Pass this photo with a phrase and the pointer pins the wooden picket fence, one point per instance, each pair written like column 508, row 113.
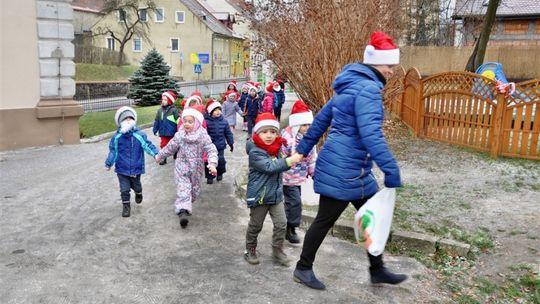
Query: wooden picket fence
column 465, row 109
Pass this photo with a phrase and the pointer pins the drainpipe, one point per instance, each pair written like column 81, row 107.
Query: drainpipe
column 212, row 57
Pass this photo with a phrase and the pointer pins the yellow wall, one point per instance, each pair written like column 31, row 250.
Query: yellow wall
column 19, row 72
column 194, row 37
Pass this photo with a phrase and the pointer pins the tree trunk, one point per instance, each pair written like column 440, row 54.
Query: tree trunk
column 121, row 55
column 477, row 57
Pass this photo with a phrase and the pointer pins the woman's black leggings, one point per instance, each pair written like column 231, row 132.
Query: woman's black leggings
column 329, row 212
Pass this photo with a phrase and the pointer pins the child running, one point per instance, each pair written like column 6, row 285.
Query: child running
column 264, row 190
column 166, row 120
column 230, row 108
column 189, row 143
column 299, row 122
column 221, row 136
column 126, row 152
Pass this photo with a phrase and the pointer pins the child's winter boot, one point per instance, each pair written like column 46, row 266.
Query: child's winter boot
column 291, row 235
column 209, row 181
column 219, row 177
column 138, row 198
column 183, row 214
column 279, row 255
column 251, row 254
column 126, row 209
column 163, row 161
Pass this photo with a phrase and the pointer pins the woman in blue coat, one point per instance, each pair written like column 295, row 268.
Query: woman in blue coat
column 343, row 170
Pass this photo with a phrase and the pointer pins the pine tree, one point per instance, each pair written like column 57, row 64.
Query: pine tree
column 150, row 80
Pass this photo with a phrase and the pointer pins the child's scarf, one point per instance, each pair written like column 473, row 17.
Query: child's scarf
column 273, row 148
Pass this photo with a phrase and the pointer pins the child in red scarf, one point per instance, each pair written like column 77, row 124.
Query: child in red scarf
column 265, row 187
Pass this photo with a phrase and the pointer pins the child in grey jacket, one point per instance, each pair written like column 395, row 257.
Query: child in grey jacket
column 264, row 190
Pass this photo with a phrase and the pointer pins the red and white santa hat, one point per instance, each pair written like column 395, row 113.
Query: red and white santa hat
column 171, row 97
column 251, row 86
column 232, row 82
column 381, row 50
column 265, row 120
column 193, row 112
column 211, row 105
column 300, row 114
column 195, row 96
column 230, row 92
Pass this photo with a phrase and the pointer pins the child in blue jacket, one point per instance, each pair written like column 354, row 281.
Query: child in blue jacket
column 264, row 192
column 126, row 152
column 221, row 135
column 166, row 120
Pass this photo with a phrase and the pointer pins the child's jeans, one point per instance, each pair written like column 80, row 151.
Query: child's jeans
column 256, row 221
column 293, row 205
column 127, row 183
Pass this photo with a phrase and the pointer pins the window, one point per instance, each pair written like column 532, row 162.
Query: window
column 175, row 43
column 180, row 16
column 137, row 44
column 111, row 43
column 143, row 15
column 160, row 14
column 121, row 15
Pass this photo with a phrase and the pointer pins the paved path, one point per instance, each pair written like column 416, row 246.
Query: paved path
column 63, row 241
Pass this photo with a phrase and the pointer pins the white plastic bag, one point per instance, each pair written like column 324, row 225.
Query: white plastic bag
column 373, row 220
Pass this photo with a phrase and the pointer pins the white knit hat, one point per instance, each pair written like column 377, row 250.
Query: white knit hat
column 193, row 112
column 124, row 112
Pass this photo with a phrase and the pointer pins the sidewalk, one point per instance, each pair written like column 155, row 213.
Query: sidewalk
column 63, row 241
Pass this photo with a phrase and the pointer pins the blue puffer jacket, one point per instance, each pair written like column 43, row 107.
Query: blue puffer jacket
column 265, row 184
column 242, row 101
column 279, row 98
column 355, row 115
column 219, row 131
column 253, row 106
column 126, row 151
column 166, row 121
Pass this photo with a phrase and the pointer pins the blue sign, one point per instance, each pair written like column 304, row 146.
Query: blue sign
column 197, row 68
column 204, row 58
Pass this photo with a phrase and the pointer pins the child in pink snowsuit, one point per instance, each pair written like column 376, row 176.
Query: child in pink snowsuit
column 189, row 143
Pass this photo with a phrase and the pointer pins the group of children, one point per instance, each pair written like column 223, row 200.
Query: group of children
column 197, row 139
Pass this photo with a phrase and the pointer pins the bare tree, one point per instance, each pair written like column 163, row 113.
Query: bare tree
column 479, row 51
column 130, row 23
column 311, row 40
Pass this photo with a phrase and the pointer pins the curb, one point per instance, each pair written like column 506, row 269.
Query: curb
column 413, row 241
column 100, row 137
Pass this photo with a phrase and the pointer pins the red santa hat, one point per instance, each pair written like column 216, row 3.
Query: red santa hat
column 252, row 86
column 193, row 112
column 265, row 120
column 381, row 50
column 300, row 114
column 230, row 92
column 211, row 105
column 171, row 97
column 232, row 82
column 195, row 96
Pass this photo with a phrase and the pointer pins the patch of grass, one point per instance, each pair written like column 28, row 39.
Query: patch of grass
column 479, row 238
column 101, row 72
column 486, row 286
column 95, row 123
column 516, row 232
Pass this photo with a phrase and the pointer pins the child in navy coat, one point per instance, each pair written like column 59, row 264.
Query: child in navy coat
column 221, row 135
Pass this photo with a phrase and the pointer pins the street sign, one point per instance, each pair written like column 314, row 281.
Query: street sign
column 197, row 68
column 204, row 58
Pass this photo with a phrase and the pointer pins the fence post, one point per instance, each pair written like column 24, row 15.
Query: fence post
column 496, row 126
column 419, row 107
